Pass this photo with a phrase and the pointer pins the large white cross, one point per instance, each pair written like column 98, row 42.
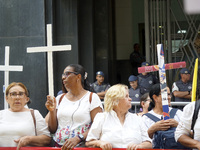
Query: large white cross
column 6, row 68
column 49, row 49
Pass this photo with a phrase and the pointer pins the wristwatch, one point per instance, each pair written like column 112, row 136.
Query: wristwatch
column 81, row 137
column 188, row 92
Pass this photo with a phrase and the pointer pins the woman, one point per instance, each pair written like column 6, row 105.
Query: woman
column 17, row 127
column 144, row 103
column 70, row 118
column 183, row 132
column 156, row 109
column 116, row 127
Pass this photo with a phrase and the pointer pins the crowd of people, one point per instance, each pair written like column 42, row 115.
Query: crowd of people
column 77, row 118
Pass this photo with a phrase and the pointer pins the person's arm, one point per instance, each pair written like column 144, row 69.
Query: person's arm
column 41, row 140
column 182, row 94
column 101, row 94
column 95, row 142
column 98, row 143
column 51, row 117
column 189, row 142
column 160, row 125
column 143, row 145
column 183, row 130
column 173, row 122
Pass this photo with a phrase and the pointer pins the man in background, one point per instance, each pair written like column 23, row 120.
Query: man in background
column 136, row 58
column 99, row 86
column 146, row 80
column 182, row 89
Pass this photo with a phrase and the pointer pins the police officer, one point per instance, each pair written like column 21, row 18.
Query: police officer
column 182, row 89
column 99, row 86
column 146, row 80
column 134, row 91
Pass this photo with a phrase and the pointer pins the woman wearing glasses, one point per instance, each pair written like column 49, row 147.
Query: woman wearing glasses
column 144, row 103
column 18, row 128
column 70, row 114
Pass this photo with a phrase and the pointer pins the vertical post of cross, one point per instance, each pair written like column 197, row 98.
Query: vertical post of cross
column 163, row 83
column 50, row 61
column 6, row 68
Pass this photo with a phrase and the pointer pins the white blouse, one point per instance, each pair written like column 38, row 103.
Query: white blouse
column 107, row 127
column 184, row 126
column 14, row 125
column 74, row 117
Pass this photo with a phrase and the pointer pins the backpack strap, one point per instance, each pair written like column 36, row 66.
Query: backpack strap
column 34, row 121
column 173, row 112
column 155, row 119
column 152, row 117
column 196, row 112
column 61, row 98
column 90, row 99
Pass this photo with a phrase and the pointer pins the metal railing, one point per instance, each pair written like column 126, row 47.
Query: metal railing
column 172, row 104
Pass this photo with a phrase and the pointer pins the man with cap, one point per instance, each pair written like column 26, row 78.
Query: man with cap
column 134, row 91
column 182, row 89
column 146, row 80
column 99, row 86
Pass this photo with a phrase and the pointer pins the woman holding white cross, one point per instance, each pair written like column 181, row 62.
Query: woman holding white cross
column 71, row 114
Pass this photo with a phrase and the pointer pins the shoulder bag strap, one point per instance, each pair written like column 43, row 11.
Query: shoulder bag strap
column 90, row 99
column 33, row 115
column 152, row 117
column 61, row 98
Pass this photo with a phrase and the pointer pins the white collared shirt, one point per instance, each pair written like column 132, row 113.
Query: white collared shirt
column 14, row 125
column 184, row 126
column 107, row 127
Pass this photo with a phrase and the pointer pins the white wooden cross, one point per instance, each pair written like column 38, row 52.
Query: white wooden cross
column 49, row 49
column 6, row 68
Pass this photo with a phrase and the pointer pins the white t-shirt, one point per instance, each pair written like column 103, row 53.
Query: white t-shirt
column 184, row 126
column 74, row 117
column 107, row 127
column 14, row 125
column 148, row 122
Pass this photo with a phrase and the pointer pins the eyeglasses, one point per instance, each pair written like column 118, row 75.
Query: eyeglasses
column 14, row 94
column 67, row 73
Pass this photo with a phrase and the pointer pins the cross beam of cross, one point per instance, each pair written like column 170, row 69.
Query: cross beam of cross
column 161, row 67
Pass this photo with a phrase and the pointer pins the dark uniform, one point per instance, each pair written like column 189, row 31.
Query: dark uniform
column 135, row 96
column 180, row 86
column 146, row 81
column 100, row 88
